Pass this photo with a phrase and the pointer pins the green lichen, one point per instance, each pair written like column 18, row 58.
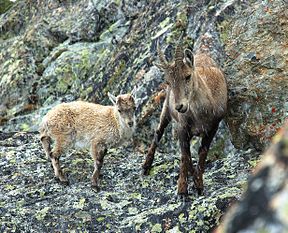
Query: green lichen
column 156, row 169
column 85, row 60
column 181, row 19
column 217, row 150
column 84, row 216
column 156, row 228
column 25, row 127
column 80, row 204
column 165, row 23
column 224, row 29
column 100, row 219
column 182, row 218
column 5, row 5
column 164, row 28
column 253, row 163
column 40, row 215
column 115, row 77
column 263, row 230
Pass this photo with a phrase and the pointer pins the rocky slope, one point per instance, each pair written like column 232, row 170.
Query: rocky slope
column 57, row 51
column 32, row 200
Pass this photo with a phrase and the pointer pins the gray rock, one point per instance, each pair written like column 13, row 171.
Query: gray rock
column 263, row 206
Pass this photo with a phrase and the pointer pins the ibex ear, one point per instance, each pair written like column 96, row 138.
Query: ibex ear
column 160, row 66
column 189, row 57
column 112, row 98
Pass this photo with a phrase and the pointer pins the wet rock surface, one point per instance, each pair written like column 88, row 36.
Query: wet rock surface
column 32, row 199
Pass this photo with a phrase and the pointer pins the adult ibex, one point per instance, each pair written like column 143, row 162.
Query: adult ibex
column 196, row 98
column 89, row 125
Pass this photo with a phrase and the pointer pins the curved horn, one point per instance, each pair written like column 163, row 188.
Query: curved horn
column 161, row 56
column 179, row 55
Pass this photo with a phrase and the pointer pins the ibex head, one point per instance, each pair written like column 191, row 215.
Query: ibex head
column 125, row 106
column 178, row 75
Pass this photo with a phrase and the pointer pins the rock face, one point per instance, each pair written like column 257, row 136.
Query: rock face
column 65, row 50
column 57, row 51
column 263, row 207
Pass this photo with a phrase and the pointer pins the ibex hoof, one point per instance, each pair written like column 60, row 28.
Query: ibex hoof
column 96, row 188
column 183, row 197
column 183, row 193
column 63, row 182
column 145, row 171
column 199, row 191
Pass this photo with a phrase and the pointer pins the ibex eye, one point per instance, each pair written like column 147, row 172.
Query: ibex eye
column 119, row 111
column 188, row 77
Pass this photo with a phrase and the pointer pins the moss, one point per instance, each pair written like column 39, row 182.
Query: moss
column 85, row 92
column 132, row 210
column 263, row 230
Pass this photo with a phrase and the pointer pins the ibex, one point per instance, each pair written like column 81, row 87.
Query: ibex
column 196, row 98
column 86, row 124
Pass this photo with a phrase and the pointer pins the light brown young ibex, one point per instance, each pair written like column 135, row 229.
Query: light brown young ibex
column 196, row 99
column 86, row 124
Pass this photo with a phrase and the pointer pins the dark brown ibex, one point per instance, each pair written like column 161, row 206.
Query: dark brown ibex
column 196, row 99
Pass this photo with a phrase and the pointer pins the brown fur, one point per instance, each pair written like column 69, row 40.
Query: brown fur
column 84, row 124
column 197, row 100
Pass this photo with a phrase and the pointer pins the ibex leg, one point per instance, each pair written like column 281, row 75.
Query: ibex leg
column 98, row 156
column 60, row 144
column 185, row 162
column 165, row 118
column 202, row 153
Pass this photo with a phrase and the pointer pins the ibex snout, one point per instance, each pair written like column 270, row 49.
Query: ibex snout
column 182, row 108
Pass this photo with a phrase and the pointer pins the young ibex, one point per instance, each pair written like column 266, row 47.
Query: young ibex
column 86, row 124
column 196, row 99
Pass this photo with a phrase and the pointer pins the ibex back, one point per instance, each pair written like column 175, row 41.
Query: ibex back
column 196, row 99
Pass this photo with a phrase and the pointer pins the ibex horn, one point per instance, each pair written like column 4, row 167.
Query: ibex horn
column 161, row 56
column 178, row 51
